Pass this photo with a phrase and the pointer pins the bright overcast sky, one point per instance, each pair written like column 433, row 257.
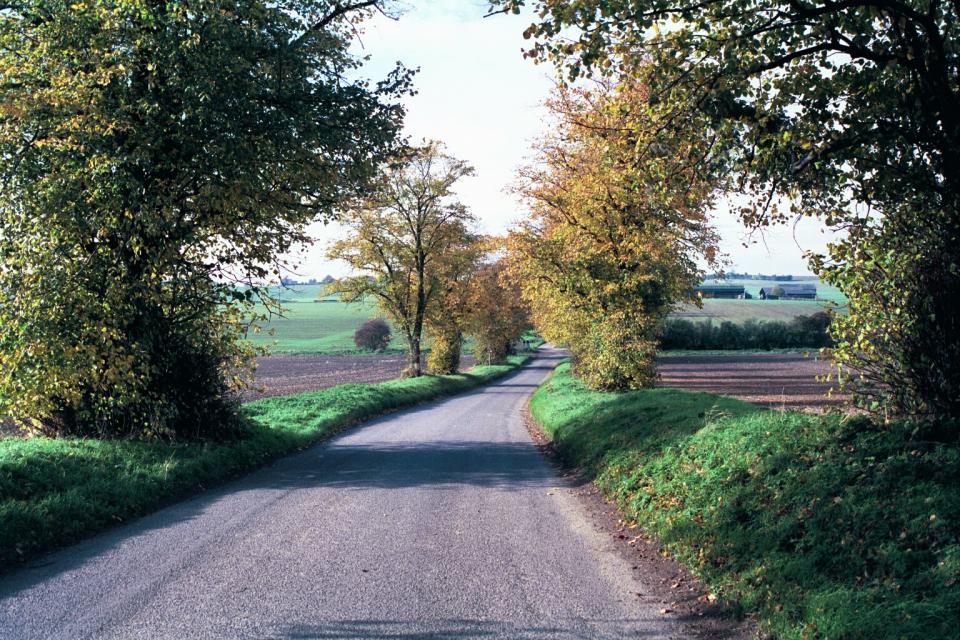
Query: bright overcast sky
column 479, row 96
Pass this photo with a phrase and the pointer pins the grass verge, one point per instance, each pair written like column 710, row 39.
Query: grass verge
column 56, row 491
column 818, row 526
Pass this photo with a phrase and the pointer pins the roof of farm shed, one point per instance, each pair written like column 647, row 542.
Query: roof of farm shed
column 792, row 289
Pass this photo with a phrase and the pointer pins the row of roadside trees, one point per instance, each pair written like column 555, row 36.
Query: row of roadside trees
column 414, row 249
column 848, row 112
column 158, row 159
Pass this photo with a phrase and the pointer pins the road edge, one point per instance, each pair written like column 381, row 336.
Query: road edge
column 19, row 549
column 683, row 596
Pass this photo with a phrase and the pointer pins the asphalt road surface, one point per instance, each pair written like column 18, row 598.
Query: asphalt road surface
column 441, row 521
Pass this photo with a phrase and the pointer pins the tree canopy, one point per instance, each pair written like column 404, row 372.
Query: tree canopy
column 619, row 223
column 848, row 111
column 497, row 314
column 155, row 155
column 410, row 241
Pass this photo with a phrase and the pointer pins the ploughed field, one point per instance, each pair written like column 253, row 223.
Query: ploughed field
column 780, row 380
column 287, row 375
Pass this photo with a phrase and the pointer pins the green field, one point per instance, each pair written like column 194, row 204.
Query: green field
column 318, row 328
column 311, row 327
column 719, row 310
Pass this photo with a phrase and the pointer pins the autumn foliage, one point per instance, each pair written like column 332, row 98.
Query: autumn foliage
column 498, row 314
column 848, row 112
column 618, row 224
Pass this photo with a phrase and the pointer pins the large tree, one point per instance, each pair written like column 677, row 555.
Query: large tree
column 848, row 110
column 618, row 227
column 409, row 241
column 155, row 154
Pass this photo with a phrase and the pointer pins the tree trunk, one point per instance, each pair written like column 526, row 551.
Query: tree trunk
column 414, row 368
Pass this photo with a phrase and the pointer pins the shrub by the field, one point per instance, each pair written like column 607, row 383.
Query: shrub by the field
column 373, row 335
column 821, row 525
column 445, row 351
column 802, row 332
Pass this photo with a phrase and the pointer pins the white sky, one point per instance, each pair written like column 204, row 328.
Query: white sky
column 478, row 95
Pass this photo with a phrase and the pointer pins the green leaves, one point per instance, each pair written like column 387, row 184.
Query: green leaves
column 162, row 157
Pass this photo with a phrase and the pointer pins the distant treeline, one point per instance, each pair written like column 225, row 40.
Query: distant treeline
column 802, row 332
column 733, row 275
column 292, row 282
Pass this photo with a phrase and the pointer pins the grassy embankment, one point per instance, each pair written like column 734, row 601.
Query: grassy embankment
column 56, row 491
column 820, row 526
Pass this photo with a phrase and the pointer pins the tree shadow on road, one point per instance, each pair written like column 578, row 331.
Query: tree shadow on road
column 435, row 466
column 468, row 628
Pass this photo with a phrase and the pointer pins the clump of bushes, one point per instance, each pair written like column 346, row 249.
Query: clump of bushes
column 444, row 358
column 373, row 335
column 802, row 332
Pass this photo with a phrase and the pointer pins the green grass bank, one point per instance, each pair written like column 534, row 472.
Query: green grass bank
column 817, row 526
column 57, row 491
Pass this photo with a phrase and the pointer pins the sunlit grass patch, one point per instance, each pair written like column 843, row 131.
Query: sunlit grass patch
column 821, row 526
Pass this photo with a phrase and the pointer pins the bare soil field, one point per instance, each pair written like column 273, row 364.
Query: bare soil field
column 781, row 381
column 287, row 375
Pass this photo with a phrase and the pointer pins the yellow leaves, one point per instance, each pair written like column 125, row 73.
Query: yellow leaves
column 617, row 227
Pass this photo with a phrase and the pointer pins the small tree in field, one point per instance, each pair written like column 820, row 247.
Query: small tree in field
column 154, row 156
column 404, row 240
column 373, row 335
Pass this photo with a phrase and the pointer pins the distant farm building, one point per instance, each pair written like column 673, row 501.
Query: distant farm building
column 789, row 291
column 720, row 291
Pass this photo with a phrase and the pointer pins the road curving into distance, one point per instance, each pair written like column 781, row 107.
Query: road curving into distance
column 440, row 521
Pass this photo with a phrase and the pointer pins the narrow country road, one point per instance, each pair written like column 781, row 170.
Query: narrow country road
column 441, row 521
